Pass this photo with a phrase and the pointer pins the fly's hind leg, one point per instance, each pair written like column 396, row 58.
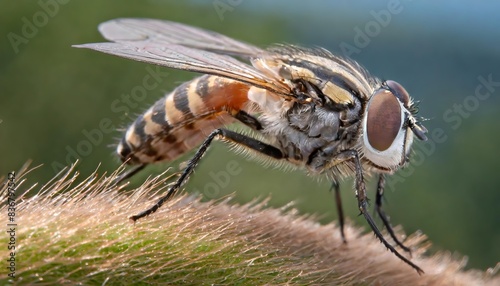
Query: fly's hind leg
column 224, row 134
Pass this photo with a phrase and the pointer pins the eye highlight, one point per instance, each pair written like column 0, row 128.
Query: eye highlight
column 383, row 119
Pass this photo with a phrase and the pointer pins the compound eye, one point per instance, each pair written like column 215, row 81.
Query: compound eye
column 399, row 91
column 383, row 121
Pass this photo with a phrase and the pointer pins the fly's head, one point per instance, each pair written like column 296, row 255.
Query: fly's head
column 389, row 124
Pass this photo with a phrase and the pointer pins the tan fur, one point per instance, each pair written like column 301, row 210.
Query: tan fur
column 174, row 241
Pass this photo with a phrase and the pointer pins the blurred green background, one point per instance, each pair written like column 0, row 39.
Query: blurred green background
column 52, row 96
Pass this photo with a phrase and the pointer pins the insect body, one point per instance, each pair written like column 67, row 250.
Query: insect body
column 307, row 108
column 179, row 122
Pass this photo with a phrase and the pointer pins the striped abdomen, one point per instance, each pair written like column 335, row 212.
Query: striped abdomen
column 181, row 120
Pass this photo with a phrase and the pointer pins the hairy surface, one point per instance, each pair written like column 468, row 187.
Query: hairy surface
column 79, row 233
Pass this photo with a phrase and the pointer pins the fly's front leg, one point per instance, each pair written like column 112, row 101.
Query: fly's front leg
column 363, row 205
column 382, row 215
column 324, row 160
column 224, row 134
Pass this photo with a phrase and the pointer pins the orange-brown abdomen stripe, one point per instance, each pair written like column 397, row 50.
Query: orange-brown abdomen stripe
column 179, row 121
column 197, row 98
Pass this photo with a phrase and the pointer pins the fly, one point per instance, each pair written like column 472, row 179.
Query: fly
column 306, row 107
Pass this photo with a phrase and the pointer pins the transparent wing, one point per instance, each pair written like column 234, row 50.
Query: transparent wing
column 142, row 40
column 166, row 33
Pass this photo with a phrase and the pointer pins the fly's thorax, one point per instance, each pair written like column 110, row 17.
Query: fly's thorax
column 330, row 93
column 301, row 130
column 387, row 121
column 338, row 79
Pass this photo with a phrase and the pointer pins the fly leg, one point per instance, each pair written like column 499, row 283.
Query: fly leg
column 128, row 174
column 223, row 134
column 324, row 159
column 382, row 215
column 340, row 211
column 363, row 205
column 241, row 115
